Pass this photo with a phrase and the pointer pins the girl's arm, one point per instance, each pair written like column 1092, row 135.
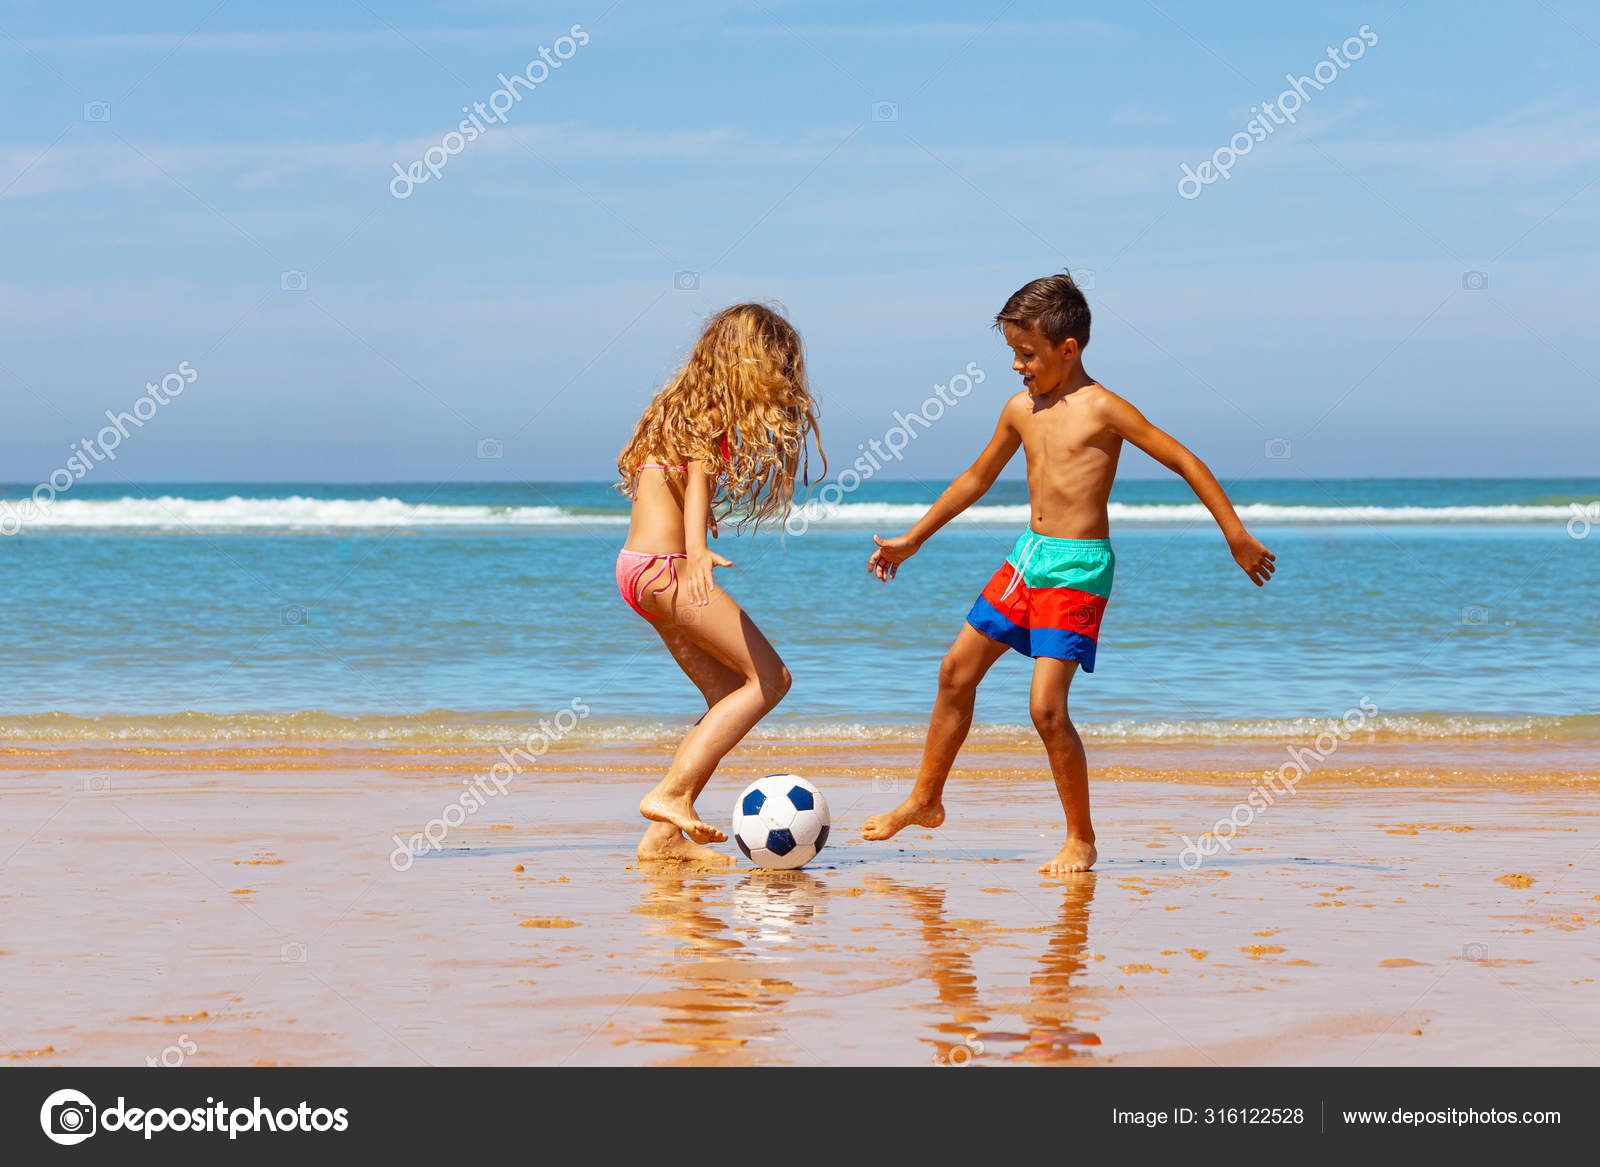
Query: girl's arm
column 971, row 485
column 697, row 582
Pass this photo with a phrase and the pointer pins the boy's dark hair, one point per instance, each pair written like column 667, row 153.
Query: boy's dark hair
column 1052, row 305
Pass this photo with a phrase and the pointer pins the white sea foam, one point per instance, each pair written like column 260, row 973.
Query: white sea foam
column 297, row 513
column 489, row 729
column 900, row 514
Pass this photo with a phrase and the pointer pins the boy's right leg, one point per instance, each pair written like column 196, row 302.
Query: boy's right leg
column 962, row 668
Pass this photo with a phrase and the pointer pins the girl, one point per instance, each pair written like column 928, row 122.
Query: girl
column 730, row 430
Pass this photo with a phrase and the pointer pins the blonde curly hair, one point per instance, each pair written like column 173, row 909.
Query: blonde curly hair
column 745, row 381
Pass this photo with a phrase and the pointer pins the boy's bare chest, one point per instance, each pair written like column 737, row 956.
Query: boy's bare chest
column 1059, row 433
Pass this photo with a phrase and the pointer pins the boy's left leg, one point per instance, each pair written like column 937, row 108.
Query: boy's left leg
column 1048, row 704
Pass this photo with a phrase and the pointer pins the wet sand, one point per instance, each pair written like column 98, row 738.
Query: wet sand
column 227, row 907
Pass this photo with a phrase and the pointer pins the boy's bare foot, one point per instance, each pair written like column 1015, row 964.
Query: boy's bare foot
column 679, row 812
column 1076, row 855
column 884, row 826
column 666, row 845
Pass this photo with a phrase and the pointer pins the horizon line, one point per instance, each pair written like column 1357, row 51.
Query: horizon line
column 26, row 488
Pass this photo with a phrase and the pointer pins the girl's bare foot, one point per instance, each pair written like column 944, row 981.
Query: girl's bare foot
column 677, row 811
column 664, row 843
column 1076, row 855
column 884, row 826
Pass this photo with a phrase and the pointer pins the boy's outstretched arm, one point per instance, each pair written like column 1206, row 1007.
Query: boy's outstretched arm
column 971, row 485
column 1248, row 553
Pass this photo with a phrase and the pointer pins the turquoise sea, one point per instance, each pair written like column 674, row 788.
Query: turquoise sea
column 458, row 611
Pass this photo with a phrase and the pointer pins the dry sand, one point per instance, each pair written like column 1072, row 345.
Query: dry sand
column 240, row 907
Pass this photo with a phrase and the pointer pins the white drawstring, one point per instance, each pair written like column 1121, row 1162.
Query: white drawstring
column 1027, row 557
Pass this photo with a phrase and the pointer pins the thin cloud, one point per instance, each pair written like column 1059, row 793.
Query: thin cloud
column 1526, row 146
column 930, row 30
column 275, row 41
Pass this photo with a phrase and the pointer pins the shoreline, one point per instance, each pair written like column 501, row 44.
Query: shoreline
column 1502, row 764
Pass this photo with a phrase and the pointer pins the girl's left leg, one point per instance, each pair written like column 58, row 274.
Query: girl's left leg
column 721, row 629
column 715, row 681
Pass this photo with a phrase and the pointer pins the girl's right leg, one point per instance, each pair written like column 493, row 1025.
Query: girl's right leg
column 723, row 632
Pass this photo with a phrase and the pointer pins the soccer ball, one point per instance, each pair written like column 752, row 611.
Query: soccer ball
column 780, row 821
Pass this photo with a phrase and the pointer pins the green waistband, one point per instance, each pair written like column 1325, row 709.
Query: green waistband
column 1068, row 544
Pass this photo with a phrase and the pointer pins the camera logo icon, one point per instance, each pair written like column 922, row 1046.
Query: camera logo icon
column 1475, row 952
column 1474, row 614
column 292, row 616
column 97, row 784
column 292, row 281
column 293, row 952
column 490, row 448
column 1583, row 520
column 68, row 1117
column 884, row 785
column 1474, row 281
column 1278, row 448
column 963, row 1054
column 1084, row 278
column 885, row 111
column 686, row 281
column 97, row 111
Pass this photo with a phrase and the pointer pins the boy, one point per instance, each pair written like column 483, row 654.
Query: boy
column 1047, row 599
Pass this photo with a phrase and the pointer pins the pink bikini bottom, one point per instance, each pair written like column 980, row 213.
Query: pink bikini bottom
column 633, row 566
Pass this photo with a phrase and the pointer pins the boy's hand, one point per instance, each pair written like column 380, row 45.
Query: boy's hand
column 1257, row 561
column 697, row 582
column 891, row 553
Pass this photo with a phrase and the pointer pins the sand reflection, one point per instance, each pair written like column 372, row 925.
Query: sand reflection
column 717, row 989
column 1053, row 1035
column 966, row 1031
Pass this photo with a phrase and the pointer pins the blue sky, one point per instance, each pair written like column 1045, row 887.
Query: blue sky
column 528, row 292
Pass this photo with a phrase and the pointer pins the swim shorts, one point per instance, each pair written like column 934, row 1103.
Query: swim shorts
column 1048, row 597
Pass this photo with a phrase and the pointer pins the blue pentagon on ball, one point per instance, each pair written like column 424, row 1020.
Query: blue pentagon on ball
column 780, row 842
